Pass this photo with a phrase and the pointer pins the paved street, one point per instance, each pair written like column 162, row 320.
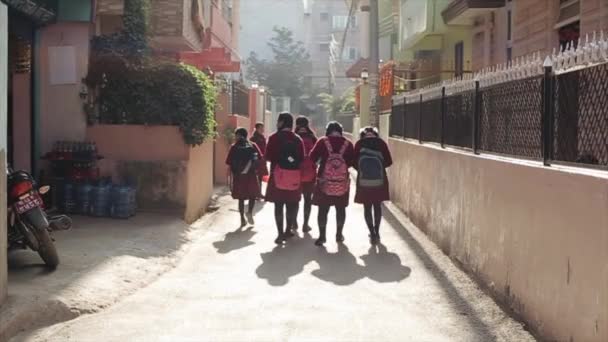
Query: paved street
column 236, row 285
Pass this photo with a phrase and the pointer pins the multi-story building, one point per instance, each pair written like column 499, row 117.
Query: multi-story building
column 333, row 39
column 430, row 48
column 507, row 29
column 388, row 13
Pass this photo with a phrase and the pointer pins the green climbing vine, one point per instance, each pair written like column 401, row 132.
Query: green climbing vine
column 133, row 88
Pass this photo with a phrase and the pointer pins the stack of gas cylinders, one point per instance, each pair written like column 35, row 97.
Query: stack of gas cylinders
column 79, row 188
column 101, row 199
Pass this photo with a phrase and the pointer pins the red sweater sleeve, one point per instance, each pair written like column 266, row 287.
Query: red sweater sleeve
column 301, row 150
column 386, row 153
column 357, row 152
column 271, row 153
column 349, row 155
column 258, row 150
column 318, row 150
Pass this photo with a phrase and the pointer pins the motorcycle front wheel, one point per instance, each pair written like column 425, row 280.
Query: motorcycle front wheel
column 36, row 219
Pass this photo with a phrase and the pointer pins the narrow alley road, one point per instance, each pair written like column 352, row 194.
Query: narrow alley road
column 236, row 285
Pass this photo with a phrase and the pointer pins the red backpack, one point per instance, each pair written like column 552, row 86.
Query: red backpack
column 335, row 179
column 308, row 166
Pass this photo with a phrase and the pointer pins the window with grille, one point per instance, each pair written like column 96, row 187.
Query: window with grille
column 569, row 13
column 459, row 59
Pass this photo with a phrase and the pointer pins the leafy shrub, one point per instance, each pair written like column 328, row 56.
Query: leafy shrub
column 133, row 89
column 160, row 94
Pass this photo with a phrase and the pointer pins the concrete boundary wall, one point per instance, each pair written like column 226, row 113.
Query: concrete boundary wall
column 536, row 236
column 171, row 176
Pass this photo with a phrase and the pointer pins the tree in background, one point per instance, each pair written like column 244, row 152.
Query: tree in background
column 285, row 73
column 335, row 105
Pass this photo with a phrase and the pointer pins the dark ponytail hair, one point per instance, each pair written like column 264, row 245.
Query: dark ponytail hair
column 302, row 122
column 286, row 120
column 241, row 134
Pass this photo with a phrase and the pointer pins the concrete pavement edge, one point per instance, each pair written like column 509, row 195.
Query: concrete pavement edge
column 16, row 318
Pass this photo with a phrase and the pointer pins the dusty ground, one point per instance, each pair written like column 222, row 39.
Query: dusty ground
column 102, row 261
column 235, row 285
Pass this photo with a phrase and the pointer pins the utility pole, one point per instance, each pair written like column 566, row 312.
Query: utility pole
column 374, row 60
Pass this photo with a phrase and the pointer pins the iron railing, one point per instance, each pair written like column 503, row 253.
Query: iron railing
column 510, row 120
column 458, row 124
column 581, row 116
column 555, row 110
column 240, row 99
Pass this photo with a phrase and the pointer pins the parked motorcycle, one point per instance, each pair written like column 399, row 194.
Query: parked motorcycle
column 29, row 226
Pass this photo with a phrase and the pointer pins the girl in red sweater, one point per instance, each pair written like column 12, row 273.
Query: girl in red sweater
column 259, row 139
column 242, row 161
column 309, row 168
column 285, row 152
column 336, row 155
column 372, row 157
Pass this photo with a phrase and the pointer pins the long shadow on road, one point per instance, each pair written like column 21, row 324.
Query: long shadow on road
column 340, row 268
column 384, row 266
column 286, row 261
column 235, row 240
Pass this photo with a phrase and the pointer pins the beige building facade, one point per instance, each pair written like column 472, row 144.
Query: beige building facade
column 516, row 28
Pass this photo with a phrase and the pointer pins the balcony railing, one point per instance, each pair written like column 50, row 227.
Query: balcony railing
column 240, row 99
column 40, row 11
column 221, row 29
column 175, row 25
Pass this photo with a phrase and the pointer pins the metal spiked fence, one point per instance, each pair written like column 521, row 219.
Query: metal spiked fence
column 553, row 109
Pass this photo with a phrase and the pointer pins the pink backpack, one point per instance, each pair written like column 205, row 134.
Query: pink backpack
column 287, row 173
column 289, row 180
column 335, row 180
column 308, row 166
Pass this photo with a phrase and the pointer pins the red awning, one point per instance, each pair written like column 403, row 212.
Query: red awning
column 217, row 59
column 355, row 70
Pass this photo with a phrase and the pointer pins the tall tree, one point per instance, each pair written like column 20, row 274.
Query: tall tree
column 285, row 73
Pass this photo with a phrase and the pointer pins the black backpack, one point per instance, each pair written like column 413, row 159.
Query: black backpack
column 243, row 159
column 289, row 158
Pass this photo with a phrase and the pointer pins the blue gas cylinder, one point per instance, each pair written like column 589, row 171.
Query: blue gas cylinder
column 68, row 202
column 123, row 201
column 101, row 200
column 83, row 198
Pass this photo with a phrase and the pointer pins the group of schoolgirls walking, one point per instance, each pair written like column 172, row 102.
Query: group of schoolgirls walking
column 315, row 169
